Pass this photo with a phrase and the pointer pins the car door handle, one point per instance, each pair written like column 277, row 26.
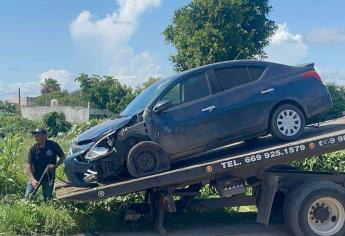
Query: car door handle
column 208, row 109
column 267, row 91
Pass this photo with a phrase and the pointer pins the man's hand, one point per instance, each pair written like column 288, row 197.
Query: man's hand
column 34, row 182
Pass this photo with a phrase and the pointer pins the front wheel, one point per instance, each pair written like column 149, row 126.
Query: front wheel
column 287, row 122
column 147, row 158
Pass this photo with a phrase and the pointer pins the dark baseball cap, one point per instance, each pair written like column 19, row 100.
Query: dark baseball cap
column 39, row 131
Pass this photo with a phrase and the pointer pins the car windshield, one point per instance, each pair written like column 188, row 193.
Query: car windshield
column 144, row 98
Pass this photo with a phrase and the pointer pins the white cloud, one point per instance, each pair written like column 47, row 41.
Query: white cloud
column 133, row 69
column 107, row 40
column 286, row 47
column 63, row 77
column 26, row 88
column 325, row 35
column 113, row 31
column 33, row 88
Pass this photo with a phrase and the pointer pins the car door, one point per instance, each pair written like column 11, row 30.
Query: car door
column 190, row 123
column 245, row 99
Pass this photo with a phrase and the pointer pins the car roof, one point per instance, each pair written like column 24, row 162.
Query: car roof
column 242, row 62
column 228, row 63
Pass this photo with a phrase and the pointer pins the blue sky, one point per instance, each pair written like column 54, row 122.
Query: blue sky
column 60, row 39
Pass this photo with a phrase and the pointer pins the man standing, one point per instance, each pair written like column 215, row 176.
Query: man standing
column 42, row 154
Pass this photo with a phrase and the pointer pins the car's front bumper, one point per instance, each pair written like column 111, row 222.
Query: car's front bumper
column 75, row 170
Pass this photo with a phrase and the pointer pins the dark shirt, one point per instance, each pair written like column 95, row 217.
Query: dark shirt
column 41, row 157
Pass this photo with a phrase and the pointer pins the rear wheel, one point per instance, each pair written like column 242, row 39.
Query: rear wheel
column 287, row 122
column 146, row 158
column 316, row 208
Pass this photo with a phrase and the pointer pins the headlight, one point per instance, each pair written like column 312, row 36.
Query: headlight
column 98, row 152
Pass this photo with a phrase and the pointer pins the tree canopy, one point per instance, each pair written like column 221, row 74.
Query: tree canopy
column 209, row 31
column 104, row 92
column 50, row 85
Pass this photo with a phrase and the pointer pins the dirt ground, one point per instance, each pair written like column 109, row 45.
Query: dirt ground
column 214, row 230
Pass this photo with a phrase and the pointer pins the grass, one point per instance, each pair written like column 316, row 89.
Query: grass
column 35, row 219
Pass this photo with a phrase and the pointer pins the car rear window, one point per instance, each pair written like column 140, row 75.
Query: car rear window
column 256, row 71
column 232, row 77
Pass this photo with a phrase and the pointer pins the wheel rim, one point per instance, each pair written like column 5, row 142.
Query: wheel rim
column 289, row 122
column 145, row 161
column 326, row 216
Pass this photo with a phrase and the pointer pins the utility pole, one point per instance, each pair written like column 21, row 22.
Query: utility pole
column 19, row 102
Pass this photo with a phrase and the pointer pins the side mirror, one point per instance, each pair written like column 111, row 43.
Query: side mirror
column 162, row 106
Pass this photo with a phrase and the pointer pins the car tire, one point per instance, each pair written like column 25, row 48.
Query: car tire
column 287, row 122
column 316, row 208
column 146, row 158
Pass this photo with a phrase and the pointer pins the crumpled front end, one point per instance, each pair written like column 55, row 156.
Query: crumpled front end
column 83, row 173
column 99, row 154
column 94, row 156
column 94, row 162
column 75, row 170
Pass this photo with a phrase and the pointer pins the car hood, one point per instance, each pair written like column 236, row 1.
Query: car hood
column 100, row 130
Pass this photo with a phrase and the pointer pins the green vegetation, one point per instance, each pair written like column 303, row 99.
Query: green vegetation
column 64, row 98
column 104, row 92
column 207, row 31
column 338, row 96
column 328, row 162
column 56, row 123
column 8, row 108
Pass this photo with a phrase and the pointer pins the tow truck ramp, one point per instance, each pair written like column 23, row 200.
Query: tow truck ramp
column 234, row 168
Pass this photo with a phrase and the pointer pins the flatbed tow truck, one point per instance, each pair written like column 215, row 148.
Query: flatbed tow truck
column 312, row 203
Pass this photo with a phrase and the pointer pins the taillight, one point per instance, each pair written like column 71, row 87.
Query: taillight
column 311, row 74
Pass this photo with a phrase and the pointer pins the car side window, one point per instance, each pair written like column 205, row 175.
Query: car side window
column 195, row 87
column 232, row 77
column 256, row 71
column 189, row 89
column 174, row 95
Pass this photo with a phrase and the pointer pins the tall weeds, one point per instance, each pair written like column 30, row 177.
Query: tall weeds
column 9, row 164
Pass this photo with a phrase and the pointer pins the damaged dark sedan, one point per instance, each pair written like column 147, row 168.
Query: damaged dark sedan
column 196, row 111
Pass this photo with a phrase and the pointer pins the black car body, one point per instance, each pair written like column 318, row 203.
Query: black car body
column 196, row 111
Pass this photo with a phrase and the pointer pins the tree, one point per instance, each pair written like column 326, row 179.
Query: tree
column 208, row 31
column 64, row 97
column 104, row 92
column 50, row 85
column 338, row 97
column 151, row 80
column 56, row 122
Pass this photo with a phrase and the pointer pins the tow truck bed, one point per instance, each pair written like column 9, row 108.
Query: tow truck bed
column 236, row 160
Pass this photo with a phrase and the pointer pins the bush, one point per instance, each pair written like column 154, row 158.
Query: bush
column 8, row 108
column 338, row 97
column 334, row 161
column 56, row 122
column 14, row 124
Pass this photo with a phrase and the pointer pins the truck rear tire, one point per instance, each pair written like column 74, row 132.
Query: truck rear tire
column 146, row 158
column 316, row 208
